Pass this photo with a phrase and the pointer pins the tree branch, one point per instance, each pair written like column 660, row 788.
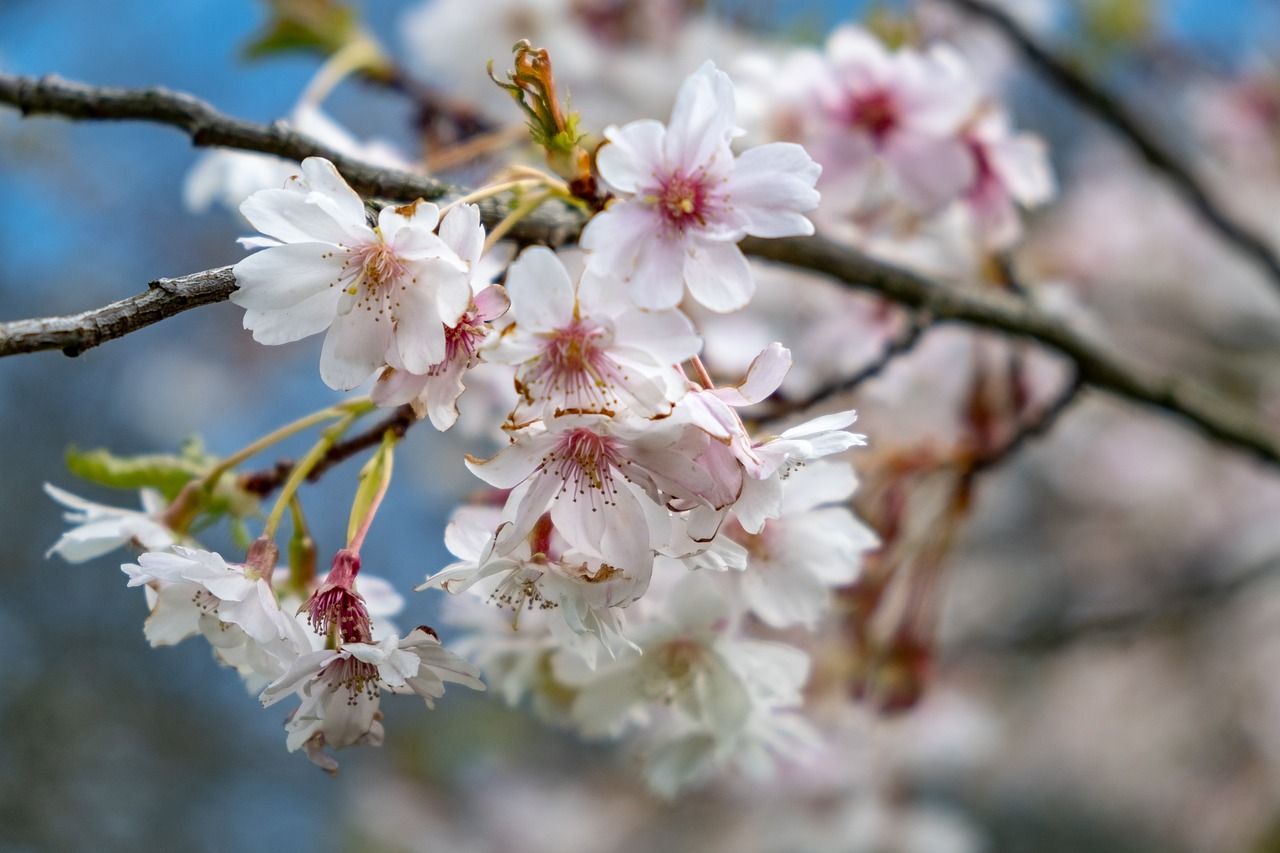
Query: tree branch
column 75, row 333
column 1221, row 419
column 263, row 483
column 1111, row 112
column 1033, row 428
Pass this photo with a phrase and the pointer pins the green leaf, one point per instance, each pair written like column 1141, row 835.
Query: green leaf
column 163, row 472
column 319, row 25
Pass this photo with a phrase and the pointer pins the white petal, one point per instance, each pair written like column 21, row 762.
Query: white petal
column 541, row 294
column 773, row 186
column 353, row 349
column 719, row 277
column 632, row 157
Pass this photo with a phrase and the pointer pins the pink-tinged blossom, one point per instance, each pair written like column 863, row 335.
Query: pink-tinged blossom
column 1011, row 169
column 389, row 288
column 685, row 201
column 600, row 479
column 341, row 689
column 579, row 594
column 581, row 348
column 435, row 392
column 100, row 529
column 895, row 116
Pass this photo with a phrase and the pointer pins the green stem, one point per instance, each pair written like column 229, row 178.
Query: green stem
column 303, row 468
column 359, row 405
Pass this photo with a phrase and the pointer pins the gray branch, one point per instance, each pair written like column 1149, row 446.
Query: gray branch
column 1219, row 418
column 75, row 333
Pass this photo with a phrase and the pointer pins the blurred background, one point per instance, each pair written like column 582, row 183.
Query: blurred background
column 1106, row 670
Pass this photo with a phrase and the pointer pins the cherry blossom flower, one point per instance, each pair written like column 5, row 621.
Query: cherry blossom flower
column 101, row 529
column 392, row 287
column 692, row 660
column 231, row 604
column 810, row 548
column 600, row 478
column 579, row 594
column 686, row 200
column 1011, row 169
column 341, row 688
column 435, row 393
column 582, row 349
column 901, row 111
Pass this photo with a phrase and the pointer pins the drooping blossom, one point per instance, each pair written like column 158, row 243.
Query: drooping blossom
column 581, row 348
column 100, row 529
column 579, row 594
column 231, row 604
column 686, row 200
column 387, row 288
column 341, row 689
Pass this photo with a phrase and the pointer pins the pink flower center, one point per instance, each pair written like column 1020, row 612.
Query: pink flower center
column 573, row 365
column 683, row 199
column 375, row 273
column 585, row 463
column 875, row 112
column 461, row 342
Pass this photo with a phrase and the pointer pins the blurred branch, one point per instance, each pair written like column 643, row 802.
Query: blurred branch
column 1034, row 428
column 263, row 483
column 1171, row 610
column 75, row 333
column 1111, row 112
column 1219, row 418
column 900, row 345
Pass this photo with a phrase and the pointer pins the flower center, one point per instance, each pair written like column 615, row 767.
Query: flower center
column 584, row 462
column 683, row 199
column 875, row 112
column 355, row 675
column 575, row 366
column 461, row 342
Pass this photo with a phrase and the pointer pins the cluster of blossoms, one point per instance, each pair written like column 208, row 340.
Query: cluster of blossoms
column 902, row 136
column 643, row 560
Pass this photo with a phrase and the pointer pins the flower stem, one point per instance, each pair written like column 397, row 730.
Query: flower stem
column 524, row 209
column 303, row 468
column 703, row 376
column 359, row 406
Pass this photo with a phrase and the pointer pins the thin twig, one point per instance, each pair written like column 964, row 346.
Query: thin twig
column 1111, row 112
column 1032, row 428
column 1219, row 418
column 899, row 345
column 263, row 483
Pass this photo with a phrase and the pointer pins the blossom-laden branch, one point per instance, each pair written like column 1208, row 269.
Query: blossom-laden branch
column 1220, row 419
column 1115, row 115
